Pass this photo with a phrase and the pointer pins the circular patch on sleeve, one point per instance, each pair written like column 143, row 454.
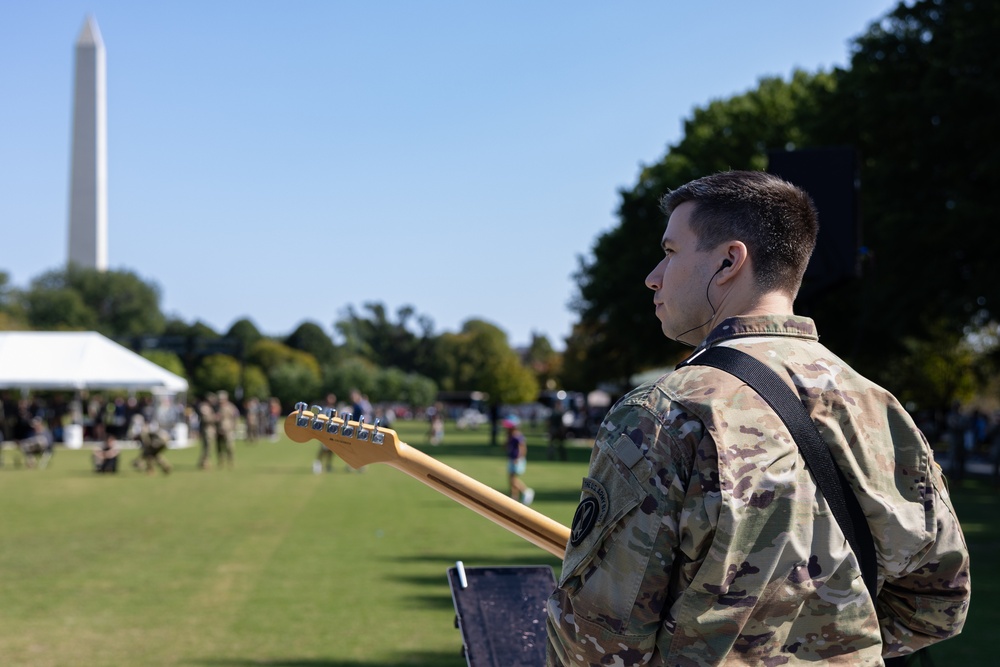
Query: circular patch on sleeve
column 590, row 512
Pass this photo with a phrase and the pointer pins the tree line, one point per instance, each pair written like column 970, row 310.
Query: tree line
column 917, row 101
column 391, row 359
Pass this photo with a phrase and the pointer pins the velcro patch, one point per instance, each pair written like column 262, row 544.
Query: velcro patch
column 627, row 451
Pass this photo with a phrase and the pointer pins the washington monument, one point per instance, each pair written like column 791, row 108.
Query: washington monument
column 88, row 189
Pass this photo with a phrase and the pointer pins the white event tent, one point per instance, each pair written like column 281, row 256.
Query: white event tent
column 41, row 360
column 82, row 360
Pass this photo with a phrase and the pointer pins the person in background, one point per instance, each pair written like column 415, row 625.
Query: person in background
column 517, row 461
column 557, row 432
column 229, row 418
column 153, row 442
column 435, row 424
column 37, row 448
column 208, row 420
column 252, row 407
column 106, row 457
column 324, row 456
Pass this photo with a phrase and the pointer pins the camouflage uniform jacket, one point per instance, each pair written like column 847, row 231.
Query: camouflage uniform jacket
column 228, row 416
column 701, row 539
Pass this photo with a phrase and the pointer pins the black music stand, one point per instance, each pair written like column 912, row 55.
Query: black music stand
column 501, row 613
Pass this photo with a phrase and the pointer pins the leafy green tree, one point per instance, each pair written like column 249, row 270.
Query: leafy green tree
column 543, row 360
column 189, row 341
column 5, row 291
column 11, row 312
column 352, row 373
column 387, row 343
column 936, row 372
column 58, row 309
column 11, row 322
column 166, row 360
column 246, row 332
column 118, row 304
column 418, row 391
column 919, row 100
column 479, row 358
column 617, row 333
column 389, row 385
column 292, row 382
column 255, row 383
column 217, row 372
column 310, row 337
column 178, row 327
column 269, row 354
column 579, row 372
column 292, row 375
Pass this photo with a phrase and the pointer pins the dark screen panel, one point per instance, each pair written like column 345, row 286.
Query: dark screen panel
column 830, row 176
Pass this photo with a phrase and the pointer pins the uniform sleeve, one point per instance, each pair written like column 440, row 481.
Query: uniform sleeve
column 612, row 591
column 931, row 601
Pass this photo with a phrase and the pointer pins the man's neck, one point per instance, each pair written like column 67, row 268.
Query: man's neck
column 774, row 303
column 771, row 303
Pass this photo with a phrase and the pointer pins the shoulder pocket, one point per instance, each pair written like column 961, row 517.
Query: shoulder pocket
column 609, row 493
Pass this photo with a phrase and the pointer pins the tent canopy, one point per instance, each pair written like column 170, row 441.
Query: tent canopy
column 78, row 360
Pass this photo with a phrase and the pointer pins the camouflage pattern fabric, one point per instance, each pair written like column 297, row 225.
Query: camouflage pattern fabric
column 701, row 539
column 228, row 416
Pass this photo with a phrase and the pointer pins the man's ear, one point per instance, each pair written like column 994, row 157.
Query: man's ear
column 733, row 261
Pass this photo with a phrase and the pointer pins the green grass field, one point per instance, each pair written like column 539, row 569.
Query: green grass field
column 270, row 564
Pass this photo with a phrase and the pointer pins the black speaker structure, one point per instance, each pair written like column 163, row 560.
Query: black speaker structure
column 832, row 179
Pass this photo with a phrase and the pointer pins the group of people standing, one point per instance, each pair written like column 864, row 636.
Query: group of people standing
column 218, row 419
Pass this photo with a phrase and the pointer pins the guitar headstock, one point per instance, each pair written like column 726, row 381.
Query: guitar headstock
column 358, row 443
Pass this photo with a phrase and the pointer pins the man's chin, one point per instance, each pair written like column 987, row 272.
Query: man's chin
column 679, row 336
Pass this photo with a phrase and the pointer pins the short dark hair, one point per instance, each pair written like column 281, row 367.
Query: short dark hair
column 775, row 219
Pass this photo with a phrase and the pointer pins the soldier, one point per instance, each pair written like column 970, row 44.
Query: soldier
column 557, row 431
column 252, row 410
column 700, row 538
column 208, row 420
column 153, row 442
column 106, row 457
column 36, row 449
column 229, row 417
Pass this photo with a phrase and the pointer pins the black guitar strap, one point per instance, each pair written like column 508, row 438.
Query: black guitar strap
column 828, row 476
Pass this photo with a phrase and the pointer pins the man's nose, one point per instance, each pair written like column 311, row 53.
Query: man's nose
column 653, row 279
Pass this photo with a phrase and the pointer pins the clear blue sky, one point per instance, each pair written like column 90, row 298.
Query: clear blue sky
column 282, row 160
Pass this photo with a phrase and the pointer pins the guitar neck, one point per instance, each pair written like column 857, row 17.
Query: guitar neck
column 360, row 444
column 519, row 519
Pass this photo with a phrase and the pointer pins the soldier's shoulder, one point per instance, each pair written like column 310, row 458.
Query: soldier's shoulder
column 656, row 412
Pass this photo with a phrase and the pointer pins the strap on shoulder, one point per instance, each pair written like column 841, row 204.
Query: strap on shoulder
column 828, row 476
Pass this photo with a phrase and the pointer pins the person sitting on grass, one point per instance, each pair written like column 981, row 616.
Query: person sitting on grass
column 106, row 458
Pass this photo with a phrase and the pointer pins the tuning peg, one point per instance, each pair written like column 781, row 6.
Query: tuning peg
column 332, row 426
column 301, row 420
column 317, row 423
column 348, row 429
column 362, row 433
column 377, row 437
